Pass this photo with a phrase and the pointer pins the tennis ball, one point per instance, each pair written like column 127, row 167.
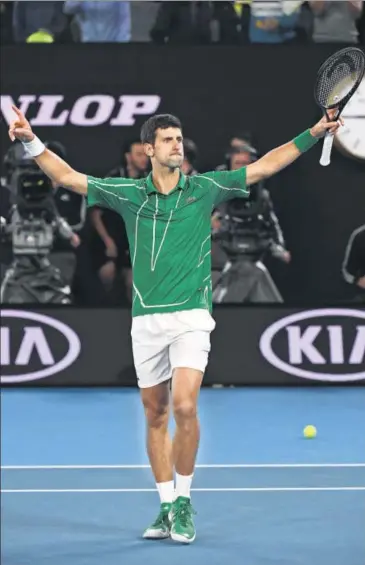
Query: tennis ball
column 310, row 432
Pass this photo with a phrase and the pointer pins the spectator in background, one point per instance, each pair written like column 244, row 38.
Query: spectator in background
column 101, row 21
column 336, row 21
column 70, row 205
column 238, row 140
column 361, row 27
column 134, row 161
column 109, row 243
column 183, row 22
column 6, row 28
column 190, row 157
column 254, row 225
column 143, row 15
column 242, row 138
column 353, row 267
column 38, row 22
column 274, row 21
column 232, row 20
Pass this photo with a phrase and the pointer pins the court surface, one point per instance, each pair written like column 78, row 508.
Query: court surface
column 77, row 490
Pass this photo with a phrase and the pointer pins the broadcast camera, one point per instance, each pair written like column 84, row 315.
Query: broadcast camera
column 247, row 230
column 31, row 226
column 248, row 227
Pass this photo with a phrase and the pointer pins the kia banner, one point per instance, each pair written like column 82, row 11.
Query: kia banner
column 251, row 345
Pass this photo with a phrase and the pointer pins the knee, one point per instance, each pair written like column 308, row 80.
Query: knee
column 156, row 414
column 184, row 410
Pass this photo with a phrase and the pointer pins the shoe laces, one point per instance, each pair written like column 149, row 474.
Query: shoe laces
column 161, row 518
column 183, row 513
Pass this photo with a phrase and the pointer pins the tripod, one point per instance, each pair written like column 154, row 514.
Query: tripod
column 244, row 279
column 33, row 279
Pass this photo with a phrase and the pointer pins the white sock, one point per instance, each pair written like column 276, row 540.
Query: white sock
column 166, row 491
column 183, row 484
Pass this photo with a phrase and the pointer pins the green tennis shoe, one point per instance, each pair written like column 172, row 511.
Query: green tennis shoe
column 160, row 529
column 182, row 527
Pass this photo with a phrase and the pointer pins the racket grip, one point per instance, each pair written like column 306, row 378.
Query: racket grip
column 326, row 150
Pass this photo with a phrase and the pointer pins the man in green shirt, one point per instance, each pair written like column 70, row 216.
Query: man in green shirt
column 167, row 219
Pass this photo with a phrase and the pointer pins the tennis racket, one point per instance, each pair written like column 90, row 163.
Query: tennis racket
column 337, row 80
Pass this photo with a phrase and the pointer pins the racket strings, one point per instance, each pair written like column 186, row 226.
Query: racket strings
column 338, row 79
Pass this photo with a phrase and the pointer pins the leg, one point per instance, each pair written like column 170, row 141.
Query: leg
column 185, row 392
column 159, row 448
column 188, row 356
column 156, row 406
column 153, row 370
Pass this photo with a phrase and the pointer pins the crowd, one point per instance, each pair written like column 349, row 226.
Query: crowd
column 204, row 22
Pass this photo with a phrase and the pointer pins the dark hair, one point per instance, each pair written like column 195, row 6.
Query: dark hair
column 190, row 151
column 128, row 144
column 159, row 121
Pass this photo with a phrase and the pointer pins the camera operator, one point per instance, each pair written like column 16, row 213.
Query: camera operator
column 245, row 232
column 353, row 267
column 109, row 239
column 72, row 207
column 33, row 224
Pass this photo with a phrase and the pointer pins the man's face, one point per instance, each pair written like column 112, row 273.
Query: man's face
column 168, row 148
column 239, row 160
column 137, row 158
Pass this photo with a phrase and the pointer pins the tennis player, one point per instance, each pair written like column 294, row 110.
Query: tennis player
column 167, row 217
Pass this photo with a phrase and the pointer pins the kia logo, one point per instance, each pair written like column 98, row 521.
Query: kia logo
column 325, row 344
column 36, row 343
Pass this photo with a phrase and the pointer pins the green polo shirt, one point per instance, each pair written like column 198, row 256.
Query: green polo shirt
column 169, row 235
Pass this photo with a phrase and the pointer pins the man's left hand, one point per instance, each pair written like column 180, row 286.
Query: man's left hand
column 321, row 128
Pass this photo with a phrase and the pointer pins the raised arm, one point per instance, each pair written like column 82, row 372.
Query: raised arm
column 282, row 156
column 52, row 165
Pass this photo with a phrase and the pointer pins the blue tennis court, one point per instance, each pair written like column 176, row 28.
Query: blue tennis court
column 77, row 489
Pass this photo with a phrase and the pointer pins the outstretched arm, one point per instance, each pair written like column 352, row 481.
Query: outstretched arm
column 282, row 156
column 52, row 165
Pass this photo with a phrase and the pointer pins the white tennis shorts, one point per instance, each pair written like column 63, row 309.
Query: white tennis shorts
column 163, row 342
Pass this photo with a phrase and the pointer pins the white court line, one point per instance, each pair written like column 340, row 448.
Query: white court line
column 207, row 466
column 238, row 489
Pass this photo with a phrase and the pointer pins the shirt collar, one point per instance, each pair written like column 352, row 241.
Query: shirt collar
column 152, row 189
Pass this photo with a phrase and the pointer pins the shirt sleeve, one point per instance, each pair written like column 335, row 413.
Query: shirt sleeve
column 107, row 193
column 226, row 185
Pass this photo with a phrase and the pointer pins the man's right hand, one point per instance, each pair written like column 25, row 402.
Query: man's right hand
column 20, row 127
column 53, row 166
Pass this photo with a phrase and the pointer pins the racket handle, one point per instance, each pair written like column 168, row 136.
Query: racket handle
column 326, row 150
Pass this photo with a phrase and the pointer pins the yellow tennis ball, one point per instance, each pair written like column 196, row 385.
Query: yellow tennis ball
column 310, row 432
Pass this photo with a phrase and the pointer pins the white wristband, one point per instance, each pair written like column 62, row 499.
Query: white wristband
column 34, row 147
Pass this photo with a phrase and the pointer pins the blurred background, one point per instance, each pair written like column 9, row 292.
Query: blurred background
column 240, row 76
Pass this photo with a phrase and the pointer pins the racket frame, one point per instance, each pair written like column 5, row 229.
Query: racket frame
column 329, row 137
